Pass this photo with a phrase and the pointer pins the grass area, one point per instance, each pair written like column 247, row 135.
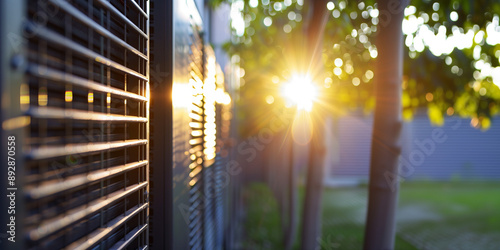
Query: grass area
column 450, row 215
column 262, row 224
column 460, row 202
column 431, row 215
column 344, row 213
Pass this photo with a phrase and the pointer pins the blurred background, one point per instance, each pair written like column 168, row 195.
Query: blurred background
column 250, row 124
column 449, row 163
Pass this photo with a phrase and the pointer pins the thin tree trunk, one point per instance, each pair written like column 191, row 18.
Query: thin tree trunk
column 383, row 188
column 292, row 200
column 311, row 217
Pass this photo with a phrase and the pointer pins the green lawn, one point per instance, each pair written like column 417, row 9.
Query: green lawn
column 431, row 215
column 262, row 224
column 452, row 215
column 344, row 213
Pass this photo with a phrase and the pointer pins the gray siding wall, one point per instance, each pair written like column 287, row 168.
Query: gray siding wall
column 453, row 151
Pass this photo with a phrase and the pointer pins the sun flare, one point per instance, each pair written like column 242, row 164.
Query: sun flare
column 300, row 91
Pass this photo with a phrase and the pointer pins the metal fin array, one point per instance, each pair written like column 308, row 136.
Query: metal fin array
column 87, row 94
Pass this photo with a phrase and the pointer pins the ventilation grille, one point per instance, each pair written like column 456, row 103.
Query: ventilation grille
column 197, row 140
column 87, row 95
column 212, row 172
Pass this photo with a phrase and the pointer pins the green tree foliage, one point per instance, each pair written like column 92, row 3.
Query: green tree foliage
column 455, row 81
column 267, row 53
column 452, row 52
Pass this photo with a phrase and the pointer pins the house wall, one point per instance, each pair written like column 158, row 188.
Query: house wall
column 454, row 151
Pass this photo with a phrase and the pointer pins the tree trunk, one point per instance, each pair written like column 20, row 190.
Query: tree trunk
column 383, row 187
column 292, row 200
column 311, row 217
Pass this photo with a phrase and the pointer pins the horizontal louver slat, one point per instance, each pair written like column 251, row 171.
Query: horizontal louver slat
column 53, row 187
column 73, row 114
column 75, row 149
column 55, row 38
column 79, row 213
